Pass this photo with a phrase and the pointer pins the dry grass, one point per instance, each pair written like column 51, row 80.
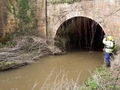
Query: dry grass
column 26, row 50
column 101, row 79
column 58, row 80
column 115, row 68
column 61, row 82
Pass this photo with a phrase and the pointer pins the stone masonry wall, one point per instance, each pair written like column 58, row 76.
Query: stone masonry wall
column 3, row 17
column 105, row 12
column 41, row 16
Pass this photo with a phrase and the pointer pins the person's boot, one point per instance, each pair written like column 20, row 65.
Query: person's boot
column 107, row 65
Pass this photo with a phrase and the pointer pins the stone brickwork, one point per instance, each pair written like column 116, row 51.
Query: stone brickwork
column 41, row 16
column 3, row 17
column 51, row 16
column 104, row 12
column 7, row 21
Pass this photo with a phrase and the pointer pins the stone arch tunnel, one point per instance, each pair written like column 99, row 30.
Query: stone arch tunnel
column 80, row 33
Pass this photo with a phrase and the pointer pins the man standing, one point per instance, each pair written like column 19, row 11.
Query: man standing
column 109, row 47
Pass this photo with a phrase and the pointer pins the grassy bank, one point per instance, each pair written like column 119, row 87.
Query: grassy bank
column 101, row 79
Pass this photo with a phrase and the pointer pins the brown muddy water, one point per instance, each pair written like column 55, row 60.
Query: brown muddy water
column 45, row 71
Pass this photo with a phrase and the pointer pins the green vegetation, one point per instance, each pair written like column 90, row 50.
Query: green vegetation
column 25, row 16
column 24, row 12
column 6, row 65
column 101, row 79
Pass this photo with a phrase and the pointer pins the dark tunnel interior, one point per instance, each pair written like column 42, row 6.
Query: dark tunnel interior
column 80, row 33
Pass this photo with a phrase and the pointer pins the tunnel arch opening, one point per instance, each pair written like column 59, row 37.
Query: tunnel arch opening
column 79, row 33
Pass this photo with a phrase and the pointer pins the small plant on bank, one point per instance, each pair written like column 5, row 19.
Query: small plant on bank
column 6, row 65
column 91, row 83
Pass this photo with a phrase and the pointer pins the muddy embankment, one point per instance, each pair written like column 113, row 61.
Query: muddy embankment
column 25, row 51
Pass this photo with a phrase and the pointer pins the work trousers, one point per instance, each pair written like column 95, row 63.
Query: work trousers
column 107, row 59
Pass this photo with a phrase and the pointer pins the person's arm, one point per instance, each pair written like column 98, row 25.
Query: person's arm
column 104, row 40
column 108, row 44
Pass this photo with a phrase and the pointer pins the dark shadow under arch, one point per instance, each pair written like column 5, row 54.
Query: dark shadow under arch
column 79, row 33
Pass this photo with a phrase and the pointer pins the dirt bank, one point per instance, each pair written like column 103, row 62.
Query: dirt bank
column 25, row 50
